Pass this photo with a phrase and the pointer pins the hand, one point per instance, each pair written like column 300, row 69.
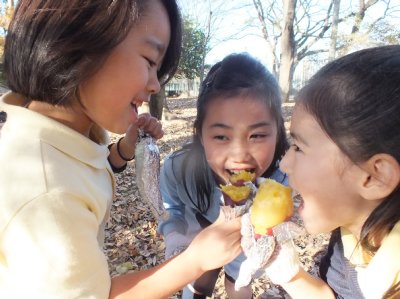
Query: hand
column 275, row 254
column 257, row 251
column 149, row 124
column 127, row 145
column 175, row 243
column 216, row 245
column 284, row 264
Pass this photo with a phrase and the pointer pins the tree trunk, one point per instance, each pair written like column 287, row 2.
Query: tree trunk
column 335, row 19
column 157, row 102
column 288, row 49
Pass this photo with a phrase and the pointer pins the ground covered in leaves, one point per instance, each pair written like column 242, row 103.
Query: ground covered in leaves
column 132, row 242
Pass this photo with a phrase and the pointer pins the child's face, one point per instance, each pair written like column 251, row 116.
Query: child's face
column 238, row 133
column 324, row 177
column 129, row 75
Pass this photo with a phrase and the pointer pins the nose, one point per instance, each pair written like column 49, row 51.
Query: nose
column 153, row 85
column 239, row 152
column 286, row 161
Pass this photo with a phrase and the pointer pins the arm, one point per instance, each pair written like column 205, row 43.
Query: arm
column 171, row 276
column 306, row 286
column 127, row 144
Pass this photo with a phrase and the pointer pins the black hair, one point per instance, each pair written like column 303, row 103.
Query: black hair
column 356, row 101
column 52, row 46
column 236, row 74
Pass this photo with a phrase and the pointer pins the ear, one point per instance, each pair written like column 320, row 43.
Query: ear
column 381, row 176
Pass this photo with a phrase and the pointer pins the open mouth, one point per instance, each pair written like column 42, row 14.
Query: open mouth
column 237, row 171
column 135, row 108
column 239, row 177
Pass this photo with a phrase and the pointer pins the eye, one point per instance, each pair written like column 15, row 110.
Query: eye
column 151, row 62
column 258, row 136
column 220, row 137
column 295, row 147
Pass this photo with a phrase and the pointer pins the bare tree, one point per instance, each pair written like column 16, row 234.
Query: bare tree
column 301, row 26
column 288, row 48
column 210, row 16
column 334, row 31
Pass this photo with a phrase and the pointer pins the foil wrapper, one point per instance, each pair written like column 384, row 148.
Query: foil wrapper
column 147, row 159
column 259, row 251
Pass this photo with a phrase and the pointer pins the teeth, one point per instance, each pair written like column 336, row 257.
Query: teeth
column 240, row 170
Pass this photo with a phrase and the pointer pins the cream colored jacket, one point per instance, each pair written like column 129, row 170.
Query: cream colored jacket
column 56, row 189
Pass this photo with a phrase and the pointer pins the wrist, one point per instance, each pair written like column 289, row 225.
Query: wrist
column 122, row 151
column 115, row 168
column 188, row 258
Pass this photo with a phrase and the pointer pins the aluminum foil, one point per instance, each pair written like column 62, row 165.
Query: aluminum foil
column 147, row 159
column 259, row 251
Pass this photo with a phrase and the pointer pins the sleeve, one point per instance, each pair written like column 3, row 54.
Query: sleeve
column 52, row 246
column 172, row 201
column 280, row 176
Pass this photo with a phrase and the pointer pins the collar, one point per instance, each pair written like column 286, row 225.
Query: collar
column 378, row 274
column 29, row 123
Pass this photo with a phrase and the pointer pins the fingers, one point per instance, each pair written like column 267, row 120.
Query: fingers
column 230, row 230
column 217, row 245
column 150, row 125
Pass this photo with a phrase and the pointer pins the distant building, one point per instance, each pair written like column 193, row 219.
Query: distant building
column 182, row 86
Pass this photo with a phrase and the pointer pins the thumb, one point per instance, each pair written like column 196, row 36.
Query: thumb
column 132, row 133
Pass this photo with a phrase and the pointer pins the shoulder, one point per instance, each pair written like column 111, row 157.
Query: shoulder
column 280, row 177
column 173, row 162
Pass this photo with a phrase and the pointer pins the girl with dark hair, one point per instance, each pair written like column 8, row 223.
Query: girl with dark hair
column 345, row 163
column 239, row 126
column 75, row 67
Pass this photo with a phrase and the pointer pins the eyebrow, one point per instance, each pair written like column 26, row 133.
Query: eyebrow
column 253, row 126
column 298, row 137
column 152, row 42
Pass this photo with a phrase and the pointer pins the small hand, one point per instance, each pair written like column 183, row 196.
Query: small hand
column 150, row 125
column 275, row 254
column 124, row 150
column 216, row 245
column 257, row 251
column 284, row 264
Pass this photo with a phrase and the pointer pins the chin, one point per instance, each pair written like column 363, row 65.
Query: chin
column 316, row 228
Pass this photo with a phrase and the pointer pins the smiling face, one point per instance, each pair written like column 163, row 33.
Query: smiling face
column 324, row 177
column 129, row 75
column 238, row 133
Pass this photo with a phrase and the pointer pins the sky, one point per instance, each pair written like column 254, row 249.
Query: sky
column 231, row 24
column 255, row 46
column 252, row 42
